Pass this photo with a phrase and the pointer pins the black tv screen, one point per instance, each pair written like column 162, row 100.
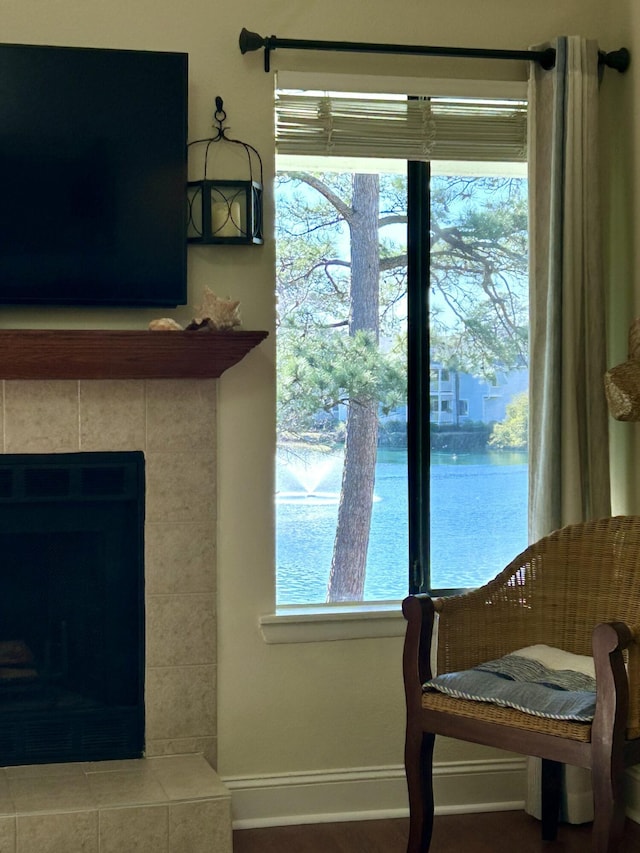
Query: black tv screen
column 93, row 175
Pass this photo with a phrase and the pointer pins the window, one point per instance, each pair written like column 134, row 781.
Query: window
column 361, row 496
column 342, row 447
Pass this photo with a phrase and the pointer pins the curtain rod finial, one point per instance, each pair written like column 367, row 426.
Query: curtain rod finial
column 548, row 58
column 618, row 59
column 250, row 41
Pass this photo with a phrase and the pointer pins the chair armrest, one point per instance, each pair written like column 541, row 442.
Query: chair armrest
column 612, row 684
column 419, row 611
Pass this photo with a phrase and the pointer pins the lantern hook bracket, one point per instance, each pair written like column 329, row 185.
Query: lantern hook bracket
column 221, row 135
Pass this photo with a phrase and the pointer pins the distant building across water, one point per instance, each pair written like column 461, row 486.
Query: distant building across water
column 457, row 398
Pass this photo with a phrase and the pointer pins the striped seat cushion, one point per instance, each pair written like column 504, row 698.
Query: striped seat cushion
column 526, row 683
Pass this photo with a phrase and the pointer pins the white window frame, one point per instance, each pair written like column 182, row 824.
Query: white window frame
column 367, row 619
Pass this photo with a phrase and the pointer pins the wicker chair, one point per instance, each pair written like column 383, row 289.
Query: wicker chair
column 577, row 589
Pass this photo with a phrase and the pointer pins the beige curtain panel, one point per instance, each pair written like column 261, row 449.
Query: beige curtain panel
column 568, row 463
column 568, row 441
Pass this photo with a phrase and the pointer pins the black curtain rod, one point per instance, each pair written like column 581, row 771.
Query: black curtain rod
column 617, row 59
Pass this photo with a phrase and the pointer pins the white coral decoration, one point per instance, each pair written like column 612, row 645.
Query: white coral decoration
column 218, row 313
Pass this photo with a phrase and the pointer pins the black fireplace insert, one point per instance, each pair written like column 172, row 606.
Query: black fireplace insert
column 71, row 607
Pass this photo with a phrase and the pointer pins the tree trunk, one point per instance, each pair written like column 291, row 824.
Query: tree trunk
column 351, row 544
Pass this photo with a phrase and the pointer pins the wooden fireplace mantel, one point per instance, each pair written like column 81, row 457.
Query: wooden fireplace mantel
column 111, row 354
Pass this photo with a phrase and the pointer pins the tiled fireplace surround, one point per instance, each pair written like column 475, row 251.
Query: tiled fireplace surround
column 171, row 801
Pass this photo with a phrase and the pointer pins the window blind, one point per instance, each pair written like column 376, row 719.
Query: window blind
column 434, row 129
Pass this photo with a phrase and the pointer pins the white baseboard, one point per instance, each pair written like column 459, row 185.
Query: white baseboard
column 370, row 793
column 580, row 809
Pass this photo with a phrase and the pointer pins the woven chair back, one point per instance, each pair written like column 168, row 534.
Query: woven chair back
column 555, row 592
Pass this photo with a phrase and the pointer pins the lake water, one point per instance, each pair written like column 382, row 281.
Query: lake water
column 478, row 523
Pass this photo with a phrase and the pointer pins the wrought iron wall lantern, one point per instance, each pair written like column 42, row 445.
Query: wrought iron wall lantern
column 225, row 211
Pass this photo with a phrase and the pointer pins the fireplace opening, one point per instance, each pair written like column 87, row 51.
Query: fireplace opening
column 71, row 607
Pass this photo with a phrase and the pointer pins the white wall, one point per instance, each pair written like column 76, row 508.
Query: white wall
column 287, row 709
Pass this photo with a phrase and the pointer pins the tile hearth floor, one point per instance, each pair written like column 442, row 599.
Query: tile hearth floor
column 168, row 804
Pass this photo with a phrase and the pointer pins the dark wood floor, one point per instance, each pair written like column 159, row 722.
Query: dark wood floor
column 493, row 832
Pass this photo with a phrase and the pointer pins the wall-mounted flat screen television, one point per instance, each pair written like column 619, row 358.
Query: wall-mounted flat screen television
column 93, row 174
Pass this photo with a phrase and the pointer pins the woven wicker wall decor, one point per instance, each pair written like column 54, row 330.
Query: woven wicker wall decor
column 622, row 383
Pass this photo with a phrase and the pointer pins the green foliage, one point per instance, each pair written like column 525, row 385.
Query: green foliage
column 479, row 274
column 313, row 264
column 478, row 304
column 513, row 432
column 326, row 368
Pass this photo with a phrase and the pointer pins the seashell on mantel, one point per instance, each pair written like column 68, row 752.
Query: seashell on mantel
column 164, row 324
column 216, row 313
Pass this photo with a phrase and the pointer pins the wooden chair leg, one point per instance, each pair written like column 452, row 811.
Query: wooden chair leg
column 418, row 758
column 551, row 798
column 608, row 805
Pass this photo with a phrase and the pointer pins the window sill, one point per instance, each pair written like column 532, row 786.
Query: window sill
column 325, row 623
